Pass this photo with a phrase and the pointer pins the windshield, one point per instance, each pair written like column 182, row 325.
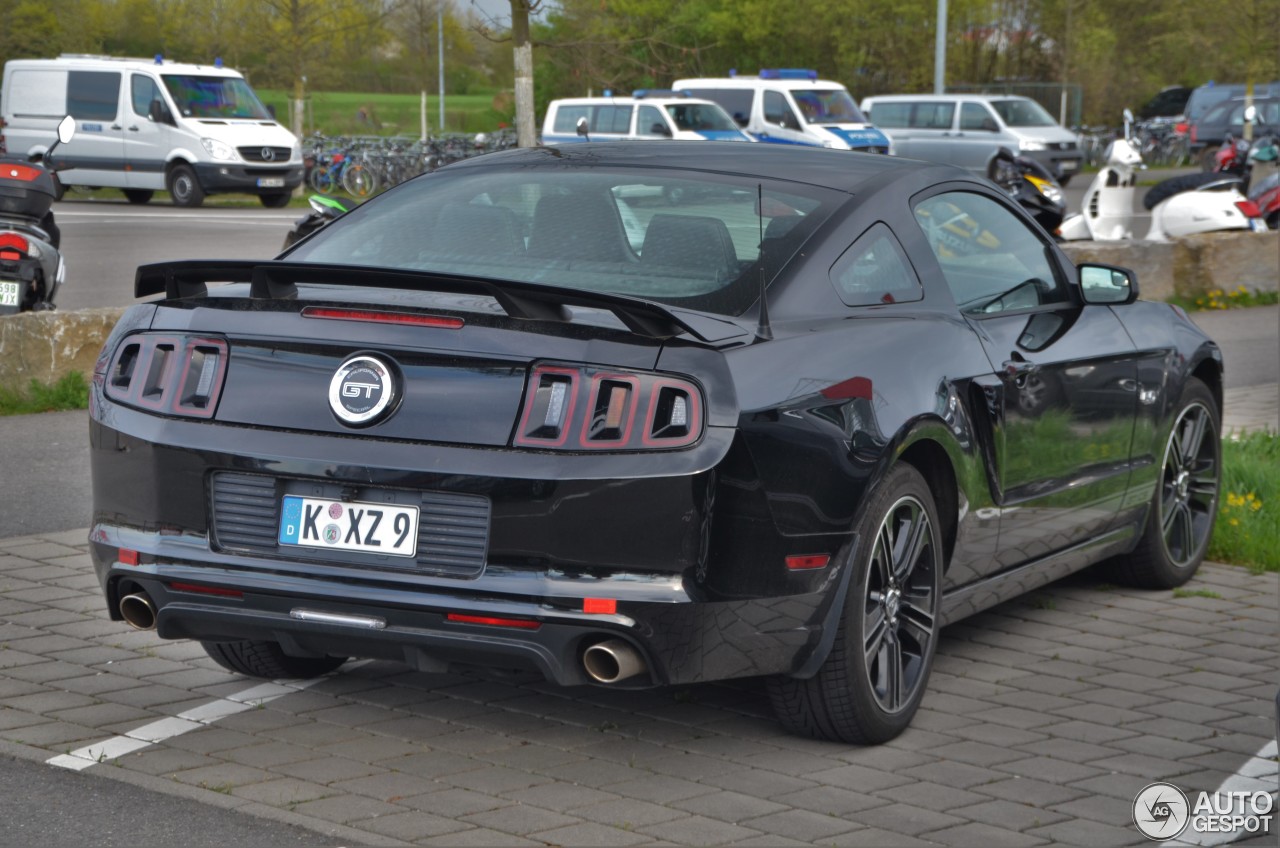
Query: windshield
column 828, row 106
column 692, row 241
column 700, row 116
column 215, row 97
column 1023, row 113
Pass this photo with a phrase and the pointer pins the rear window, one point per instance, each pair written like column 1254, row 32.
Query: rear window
column 683, row 239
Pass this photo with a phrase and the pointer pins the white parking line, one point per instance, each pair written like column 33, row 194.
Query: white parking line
column 1258, row 774
column 184, row 722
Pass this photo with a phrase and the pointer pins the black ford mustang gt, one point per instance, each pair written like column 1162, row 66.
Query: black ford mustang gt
column 532, row 411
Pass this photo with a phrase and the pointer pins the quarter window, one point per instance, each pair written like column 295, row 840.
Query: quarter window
column 992, row 261
column 875, row 270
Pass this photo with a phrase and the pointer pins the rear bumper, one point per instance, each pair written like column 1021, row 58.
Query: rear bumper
column 566, row 532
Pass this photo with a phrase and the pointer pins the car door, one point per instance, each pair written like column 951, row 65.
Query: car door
column 1062, row 390
column 977, row 137
column 97, row 152
column 931, row 130
column 146, row 142
column 781, row 123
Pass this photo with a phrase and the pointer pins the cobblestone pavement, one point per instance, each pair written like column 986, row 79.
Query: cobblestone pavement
column 1045, row 716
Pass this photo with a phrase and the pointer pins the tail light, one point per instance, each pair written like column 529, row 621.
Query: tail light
column 1193, row 133
column 24, row 173
column 171, row 374
column 580, row 408
column 1248, row 208
column 13, row 246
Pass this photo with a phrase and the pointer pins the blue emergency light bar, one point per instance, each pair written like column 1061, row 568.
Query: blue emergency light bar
column 788, row 74
column 641, row 93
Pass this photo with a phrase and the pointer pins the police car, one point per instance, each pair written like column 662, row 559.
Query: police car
column 792, row 106
column 646, row 114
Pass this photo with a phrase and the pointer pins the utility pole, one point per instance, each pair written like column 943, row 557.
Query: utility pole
column 939, row 51
column 440, row 51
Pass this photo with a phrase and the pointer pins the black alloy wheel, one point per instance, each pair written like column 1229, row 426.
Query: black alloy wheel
column 871, row 683
column 1185, row 504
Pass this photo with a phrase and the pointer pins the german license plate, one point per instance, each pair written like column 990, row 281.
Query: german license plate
column 271, row 182
column 10, row 293
column 370, row 528
column 1068, row 165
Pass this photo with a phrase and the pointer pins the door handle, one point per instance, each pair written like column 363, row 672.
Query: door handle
column 1019, row 367
column 116, row 127
column 133, row 129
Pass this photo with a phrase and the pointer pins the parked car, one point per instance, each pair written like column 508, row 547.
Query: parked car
column 471, row 422
column 969, row 130
column 1227, row 119
column 1169, row 103
column 792, row 106
column 645, row 115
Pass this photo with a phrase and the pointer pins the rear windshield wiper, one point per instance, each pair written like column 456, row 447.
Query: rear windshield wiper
column 278, row 281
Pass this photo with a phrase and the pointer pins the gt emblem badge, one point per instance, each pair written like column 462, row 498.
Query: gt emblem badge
column 362, row 391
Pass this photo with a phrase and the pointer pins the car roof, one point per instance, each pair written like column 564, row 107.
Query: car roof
column 839, row 169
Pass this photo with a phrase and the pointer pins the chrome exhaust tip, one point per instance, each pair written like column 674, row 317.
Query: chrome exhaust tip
column 138, row 611
column 612, row 660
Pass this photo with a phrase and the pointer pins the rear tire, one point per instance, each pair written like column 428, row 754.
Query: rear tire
column 870, row 685
column 138, row 195
column 185, row 187
column 1185, row 504
column 267, row 660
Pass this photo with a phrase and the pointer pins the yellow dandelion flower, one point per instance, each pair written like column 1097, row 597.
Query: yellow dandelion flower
column 1235, row 522
column 1256, row 505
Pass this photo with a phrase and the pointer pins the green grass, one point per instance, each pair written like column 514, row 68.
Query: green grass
column 71, row 392
column 1248, row 527
column 227, row 201
column 338, row 112
column 1237, row 298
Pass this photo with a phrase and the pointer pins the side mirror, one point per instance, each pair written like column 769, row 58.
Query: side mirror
column 789, row 121
column 582, row 128
column 990, row 125
column 271, row 110
column 1107, row 284
column 1250, row 114
column 741, row 119
column 66, row 129
column 660, row 129
column 158, row 113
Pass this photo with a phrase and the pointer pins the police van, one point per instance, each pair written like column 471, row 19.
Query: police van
column 792, row 106
column 145, row 125
column 646, row 114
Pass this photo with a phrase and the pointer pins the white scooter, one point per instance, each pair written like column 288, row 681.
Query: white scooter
column 1107, row 213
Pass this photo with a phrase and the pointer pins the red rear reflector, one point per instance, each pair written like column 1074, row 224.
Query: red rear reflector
column 522, row 623
column 383, row 317
column 802, row 563
column 10, row 255
column 15, row 241
column 600, row 606
column 20, row 172
column 206, row 590
column 128, row 557
column 1249, row 209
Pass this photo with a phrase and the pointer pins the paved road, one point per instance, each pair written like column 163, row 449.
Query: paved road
column 1045, row 716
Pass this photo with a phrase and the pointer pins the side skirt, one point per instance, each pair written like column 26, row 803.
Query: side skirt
column 983, row 594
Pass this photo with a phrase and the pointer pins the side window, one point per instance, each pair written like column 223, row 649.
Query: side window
column 649, row 121
column 567, row 118
column 777, row 111
column 893, row 115
column 615, row 120
column 143, row 90
column 93, row 95
column 933, row 116
column 874, row 270
column 992, row 261
column 974, row 116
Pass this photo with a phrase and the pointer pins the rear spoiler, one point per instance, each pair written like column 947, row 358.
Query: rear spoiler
column 271, row 280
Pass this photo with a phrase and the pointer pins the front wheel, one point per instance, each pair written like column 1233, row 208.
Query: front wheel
column 185, row 187
column 268, row 660
column 1185, row 504
column 138, row 195
column 870, row 685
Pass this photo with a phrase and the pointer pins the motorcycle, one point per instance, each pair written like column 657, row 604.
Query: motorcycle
column 1179, row 206
column 325, row 209
column 1032, row 186
column 31, row 265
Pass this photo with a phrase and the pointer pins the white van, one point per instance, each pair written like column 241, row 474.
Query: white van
column 646, row 114
column 968, row 129
column 791, row 106
column 147, row 125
